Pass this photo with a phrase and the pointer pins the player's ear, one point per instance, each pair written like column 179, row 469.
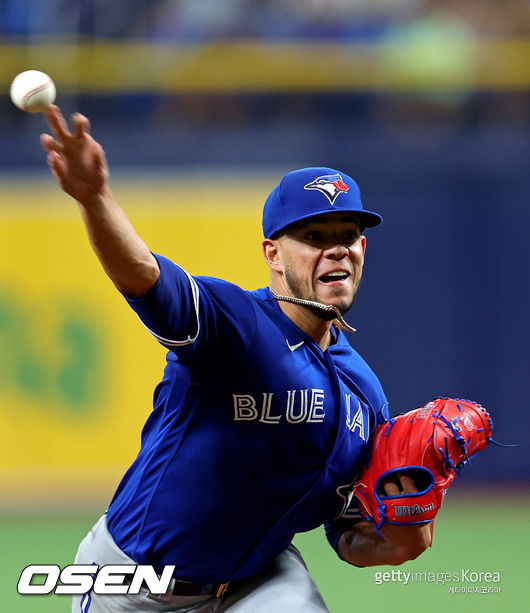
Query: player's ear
column 363, row 243
column 271, row 253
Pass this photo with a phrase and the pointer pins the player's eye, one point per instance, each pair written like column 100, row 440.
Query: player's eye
column 313, row 235
column 351, row 236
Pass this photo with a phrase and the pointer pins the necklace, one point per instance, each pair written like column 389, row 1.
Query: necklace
column 340, row 321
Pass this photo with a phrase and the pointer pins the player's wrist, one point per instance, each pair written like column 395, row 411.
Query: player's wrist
column 98, row 199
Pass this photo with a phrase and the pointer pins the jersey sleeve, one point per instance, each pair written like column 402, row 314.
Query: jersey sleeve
column 170, row 309
column 183, row 311
column 335, row 528
column 383, row 415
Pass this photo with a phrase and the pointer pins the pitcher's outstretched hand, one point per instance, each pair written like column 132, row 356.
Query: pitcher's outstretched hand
column 76, row 160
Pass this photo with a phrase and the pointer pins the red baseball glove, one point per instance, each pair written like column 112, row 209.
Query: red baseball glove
column 430, row 444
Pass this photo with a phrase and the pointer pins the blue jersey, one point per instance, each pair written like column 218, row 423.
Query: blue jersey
column 255, row 434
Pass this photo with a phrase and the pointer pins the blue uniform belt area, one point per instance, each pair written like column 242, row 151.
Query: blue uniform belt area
column 185, row 588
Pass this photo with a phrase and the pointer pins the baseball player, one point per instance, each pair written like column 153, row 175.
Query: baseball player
column 262, row 419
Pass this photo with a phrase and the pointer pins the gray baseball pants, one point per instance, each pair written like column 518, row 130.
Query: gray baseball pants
column 284, row 587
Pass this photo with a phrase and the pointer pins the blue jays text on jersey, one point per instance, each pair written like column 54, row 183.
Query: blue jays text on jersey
column 255, row 434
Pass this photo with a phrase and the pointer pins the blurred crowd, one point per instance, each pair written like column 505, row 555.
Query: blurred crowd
column 199, row 20
column 439, row 37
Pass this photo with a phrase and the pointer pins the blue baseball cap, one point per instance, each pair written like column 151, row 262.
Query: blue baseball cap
column 308, row 192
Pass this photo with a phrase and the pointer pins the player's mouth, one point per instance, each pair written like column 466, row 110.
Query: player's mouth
column 335, row 277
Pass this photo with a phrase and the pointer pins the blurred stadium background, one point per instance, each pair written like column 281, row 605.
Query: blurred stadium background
column 202, row 106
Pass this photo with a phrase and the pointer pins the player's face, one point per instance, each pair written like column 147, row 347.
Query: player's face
column 323, row 259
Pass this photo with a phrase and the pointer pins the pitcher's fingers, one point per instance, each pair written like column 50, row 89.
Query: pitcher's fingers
column 57, row 123
column 56, row 163
column 407, row 483
column 80, row 124
column 50, row 144
column 391, row 489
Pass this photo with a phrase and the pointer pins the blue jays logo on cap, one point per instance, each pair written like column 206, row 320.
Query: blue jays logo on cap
column 329, row 185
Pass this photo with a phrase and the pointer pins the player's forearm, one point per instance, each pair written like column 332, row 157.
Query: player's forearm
column 123, row 254
column 362, row 546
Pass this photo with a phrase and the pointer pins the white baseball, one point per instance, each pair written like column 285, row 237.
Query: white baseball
column 32, row 91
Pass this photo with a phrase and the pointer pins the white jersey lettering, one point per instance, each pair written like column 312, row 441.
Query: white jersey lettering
column 358, row 419
column 316, row 412
column 291, row 416
column 311, row 411
column 266, row 416
column 244, row 407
